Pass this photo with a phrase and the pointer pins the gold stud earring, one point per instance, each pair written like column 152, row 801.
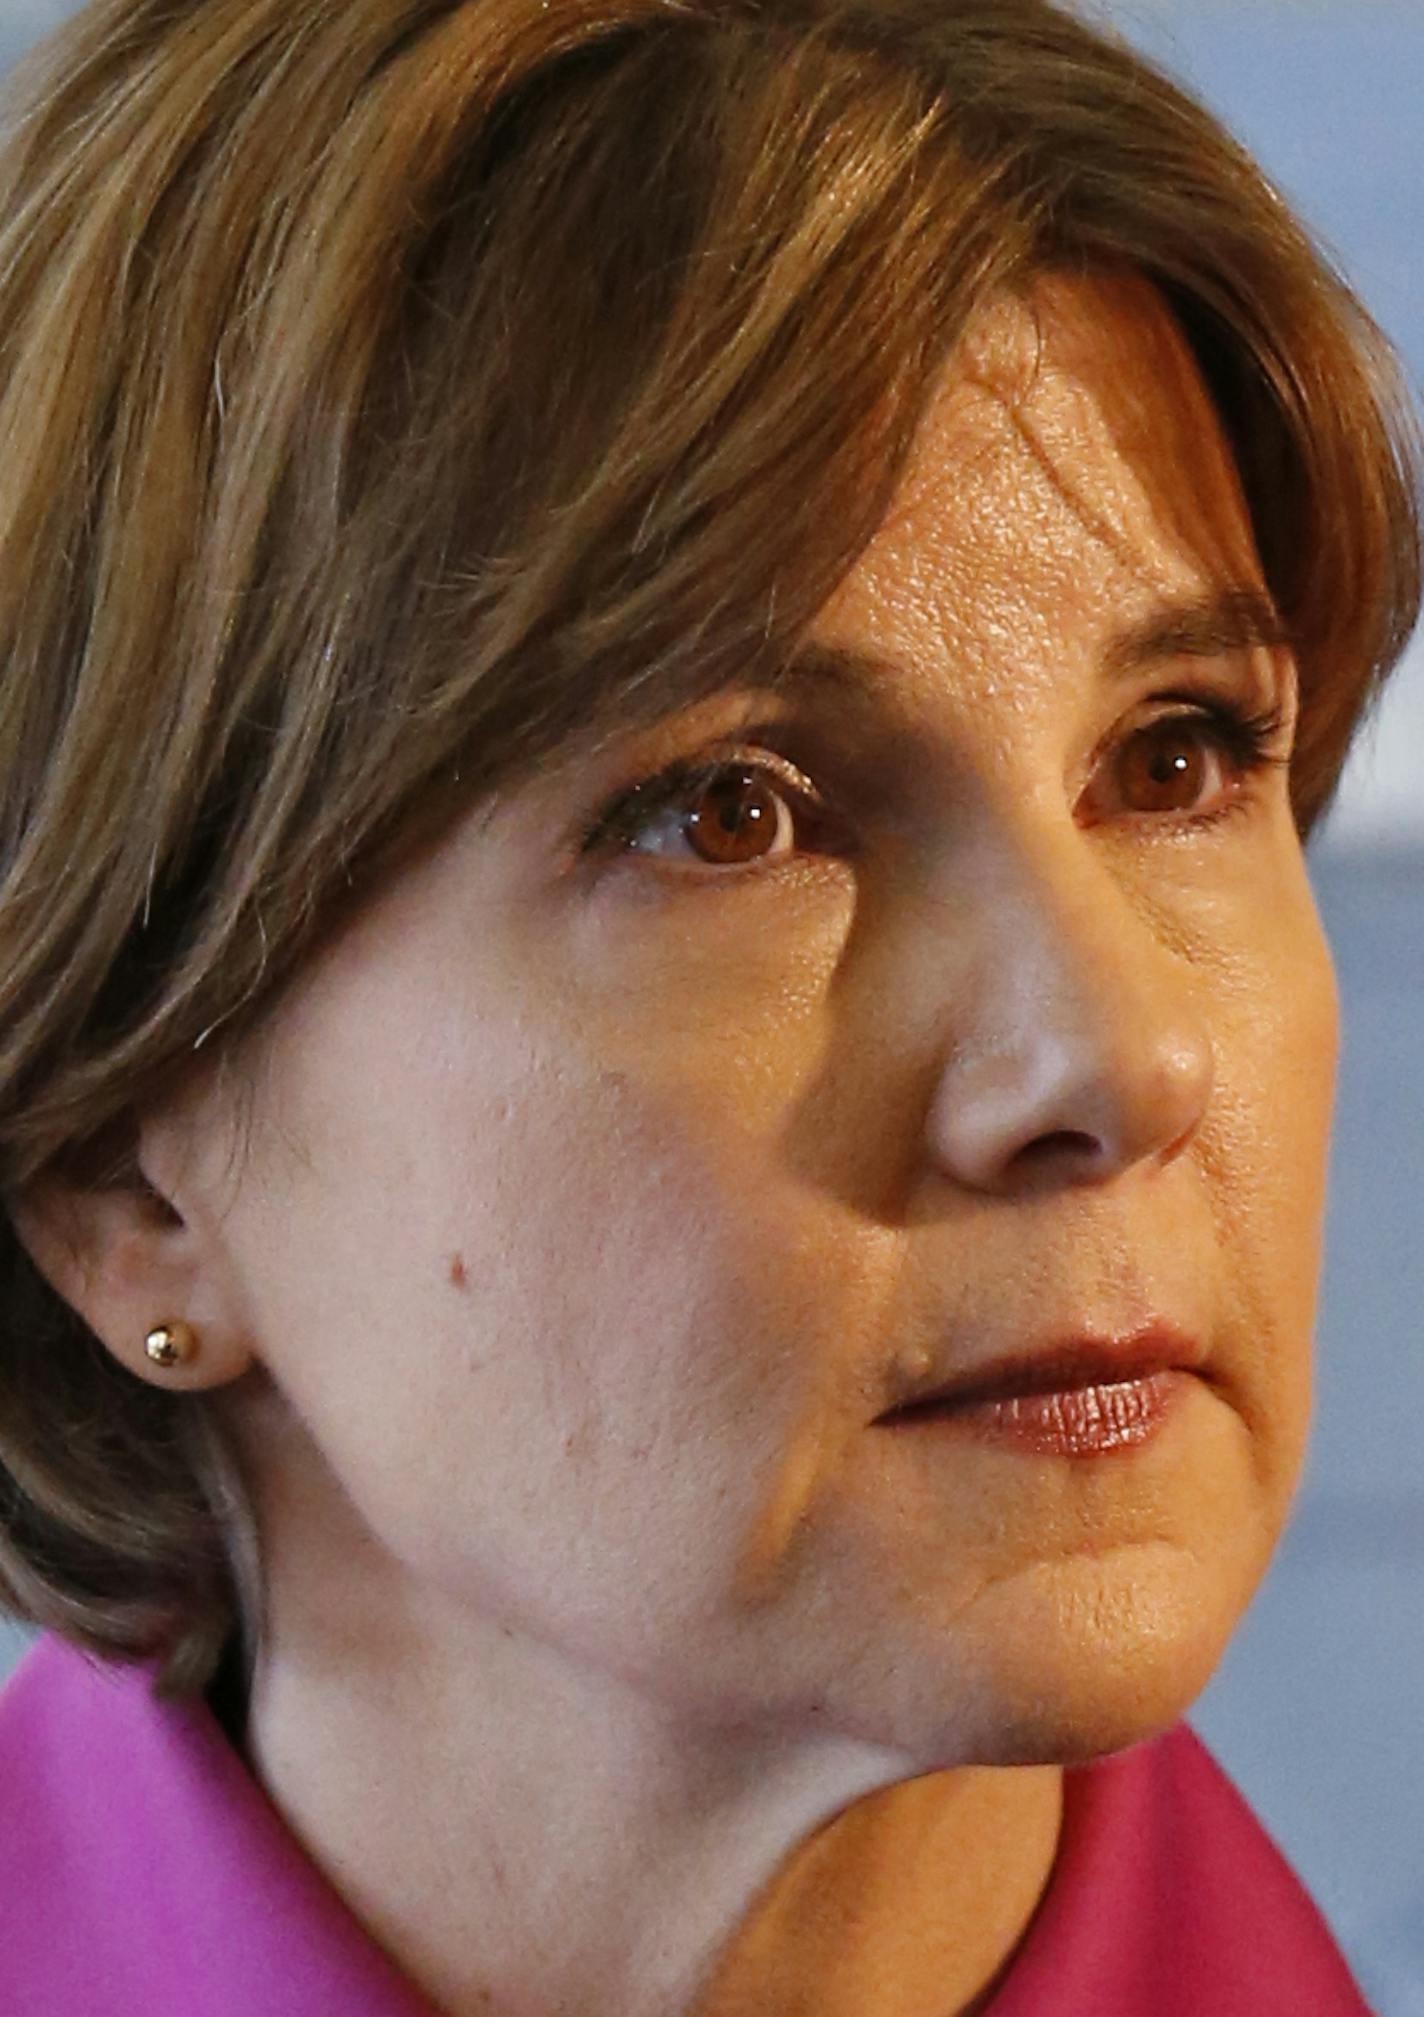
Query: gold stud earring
column 172, row 1344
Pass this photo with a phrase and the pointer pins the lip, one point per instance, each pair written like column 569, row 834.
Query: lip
column 1142, row 1359
column 1093, row 1421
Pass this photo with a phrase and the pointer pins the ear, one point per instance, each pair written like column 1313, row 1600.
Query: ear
column 124, row 1257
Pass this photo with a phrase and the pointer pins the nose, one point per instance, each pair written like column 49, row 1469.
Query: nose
column 1078, row 1047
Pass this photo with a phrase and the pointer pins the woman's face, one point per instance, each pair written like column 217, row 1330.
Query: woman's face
column 603, row 1198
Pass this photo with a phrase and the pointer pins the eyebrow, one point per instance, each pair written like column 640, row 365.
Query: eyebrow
column 1212, row 626
column 1218, row 625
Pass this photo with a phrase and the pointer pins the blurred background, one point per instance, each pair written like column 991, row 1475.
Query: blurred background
column 1317, row 1710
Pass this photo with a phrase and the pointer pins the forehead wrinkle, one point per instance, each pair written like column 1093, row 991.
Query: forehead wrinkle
column 1101, row 526
column 1101, row 360
column 1119, row 513
column 1130, row 448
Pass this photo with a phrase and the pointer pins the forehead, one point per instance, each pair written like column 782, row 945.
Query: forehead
column 1070, row 483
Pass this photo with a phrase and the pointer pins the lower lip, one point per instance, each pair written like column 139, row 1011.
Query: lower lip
column 1093, row 1421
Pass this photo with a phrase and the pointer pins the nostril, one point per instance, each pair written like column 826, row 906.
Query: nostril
column 1063, row 1145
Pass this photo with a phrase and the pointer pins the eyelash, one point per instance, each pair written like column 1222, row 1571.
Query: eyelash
column 1247, row 739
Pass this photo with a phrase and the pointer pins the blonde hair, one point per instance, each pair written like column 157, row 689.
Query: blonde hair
column 400, row 394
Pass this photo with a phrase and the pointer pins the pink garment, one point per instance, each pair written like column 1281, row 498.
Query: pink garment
column 144, row 1872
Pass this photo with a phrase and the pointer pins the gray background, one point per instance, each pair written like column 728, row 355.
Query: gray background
column 1316, row 1709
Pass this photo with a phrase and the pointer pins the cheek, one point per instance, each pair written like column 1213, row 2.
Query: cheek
column 537, row 1316
column 1295, row 1045
column 1267, row 1154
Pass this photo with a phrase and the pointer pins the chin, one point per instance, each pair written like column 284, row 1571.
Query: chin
column 1076, row 1665
column 1098, row 1670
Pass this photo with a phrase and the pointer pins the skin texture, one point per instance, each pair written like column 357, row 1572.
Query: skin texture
column 596, row 1205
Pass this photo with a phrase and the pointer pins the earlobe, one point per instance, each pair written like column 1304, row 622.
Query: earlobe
column 123, row 1257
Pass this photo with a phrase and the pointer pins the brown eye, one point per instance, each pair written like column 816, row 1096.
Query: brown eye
column 725, row 814
column 1195, row 767
column 732, row 819
column 1170, row 766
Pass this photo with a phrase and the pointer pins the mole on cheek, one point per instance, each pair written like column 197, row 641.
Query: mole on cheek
column 458, row 1275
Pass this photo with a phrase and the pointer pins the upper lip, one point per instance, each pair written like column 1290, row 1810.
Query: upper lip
column 1059, row 1364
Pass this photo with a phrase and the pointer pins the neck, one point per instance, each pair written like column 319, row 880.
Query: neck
column 524, row 1841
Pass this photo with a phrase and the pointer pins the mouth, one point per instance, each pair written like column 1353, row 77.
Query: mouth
column 1074, row 1397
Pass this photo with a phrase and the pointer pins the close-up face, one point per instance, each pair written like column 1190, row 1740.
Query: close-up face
column 621, row 1178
